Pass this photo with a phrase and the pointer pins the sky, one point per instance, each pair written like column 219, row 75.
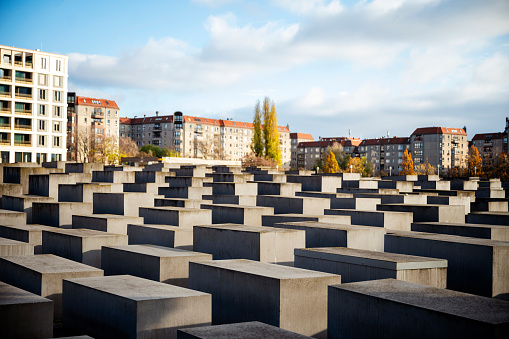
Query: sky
column 330, row 67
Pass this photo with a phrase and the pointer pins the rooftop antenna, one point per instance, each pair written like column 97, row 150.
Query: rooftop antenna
column 349, row 132
column 388, row 134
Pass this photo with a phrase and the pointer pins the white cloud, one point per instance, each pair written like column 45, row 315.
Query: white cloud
column 311, row 7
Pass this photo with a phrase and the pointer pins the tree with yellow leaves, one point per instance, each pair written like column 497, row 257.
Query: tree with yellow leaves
column 408, row 164
column 425, row 169
column 331, row 164
column 270, row 132
column 474, row 162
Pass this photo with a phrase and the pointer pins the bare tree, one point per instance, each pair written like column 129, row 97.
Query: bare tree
column 209, row 149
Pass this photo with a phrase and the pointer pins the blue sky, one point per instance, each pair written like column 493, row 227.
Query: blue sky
column 330, row 66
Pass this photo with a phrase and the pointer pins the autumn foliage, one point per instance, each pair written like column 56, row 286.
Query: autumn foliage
column 331, row 164
column 474, row 162
column 407, row 166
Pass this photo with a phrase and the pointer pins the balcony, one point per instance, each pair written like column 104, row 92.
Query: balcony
column 25, row 143
column 26, row 96
column 157, row 127
column 5, row 94
column 97, row 115
column 22, row 80
column 7, row 78
column 488, row 143
column 23, row 111
column 5, row 141
column 22, row 127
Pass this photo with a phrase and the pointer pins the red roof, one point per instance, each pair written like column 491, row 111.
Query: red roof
column 439, row 130
column 84, row 101
column 323, row 143
column 385, row 141
column 487, row 136
column 301, row 136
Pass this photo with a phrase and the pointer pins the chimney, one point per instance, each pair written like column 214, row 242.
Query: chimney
column 135, row 117
column 157, row 113
column 144, row 115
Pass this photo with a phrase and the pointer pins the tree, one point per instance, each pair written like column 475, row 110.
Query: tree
column 252, row 160
column 341, row 156
column 127, row 147
column 331, row 164
column 84, row 146
column 502, row 167
column 257, row 143
column 270, row 132
column 425, row 169
column 210, row 149
column 474, row 162
column 360, row 165
column 408, row 164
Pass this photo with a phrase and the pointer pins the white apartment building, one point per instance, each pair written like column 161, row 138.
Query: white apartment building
column 191, row 136
column 33, row 95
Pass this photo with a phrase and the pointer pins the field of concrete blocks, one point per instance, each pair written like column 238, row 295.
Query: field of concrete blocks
column 169, row 251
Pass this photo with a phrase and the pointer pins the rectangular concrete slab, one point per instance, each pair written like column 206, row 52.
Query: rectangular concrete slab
column 233, row 241
column 477, row 266
column 58, row 214
column 361, row 265
column 162, row 235
column 237, row 214
column 24, row 314
column 390, row 220
column 293, row 205
column 176, row 216
column 482, row 231
column 14, row 247
column 272, row 220
column 322, row 234
column 492, row 218
column 440, row 213
column 80, row 245
column 124, row 306
column 31, row 234
column 158, row 263
column 12, row 217
column 243, row 290
column 43, row 275
column 392, row 308
column 111, row 223
column 127, row 204
column 23, row 203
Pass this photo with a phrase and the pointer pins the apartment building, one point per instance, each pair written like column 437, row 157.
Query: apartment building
column 296, row 139
column 309, row 152
column 33, row 91
column 197, row 137
column 443, row 147
column 490, row 145
column 385, row 154
column 90, row 119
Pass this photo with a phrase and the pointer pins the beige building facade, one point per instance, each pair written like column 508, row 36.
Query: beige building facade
column 33, row 92
column 385, row 154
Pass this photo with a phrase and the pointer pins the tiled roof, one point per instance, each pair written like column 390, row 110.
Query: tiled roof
column 344, row 142
column 385, row 141
column 301, row 136
column 96, row 102
column 485, row 136
column 439, row 130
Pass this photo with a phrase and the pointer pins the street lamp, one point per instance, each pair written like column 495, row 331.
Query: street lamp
column 351, row 168
column 475, row 170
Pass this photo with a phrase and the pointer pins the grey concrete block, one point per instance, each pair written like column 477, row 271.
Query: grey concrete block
column 245, row 200
column 290, row 205
column 233, row 241
column 23, row 203
column 278, row 188
column 58, row 214
column 362, row 204
column 176, row 216
column 113, row 176
column 477, row 266
column 439, row 213
column 232, row 188
column 361, row 265
column 47, row 184
column 162, row 235
column 110, row 223
column 31, row 234
column 272, row 220
column 316, row 183
column 84, row 192
column 8, row 217
column 130, row 307
column 322, row 234
column 14, row 247
column 390, row 220
column 43, row 275
column 492, row 218
column 482, row 231
column 127, row 204
column 397, row 309
column 245, row 330
column 194, row 193
column 237, row 214
column 158, row 263
column 242, row 290
column 177, row 202
column 24, row 314
column 80, row 245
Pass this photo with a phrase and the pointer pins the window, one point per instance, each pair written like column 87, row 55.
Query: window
column 42, row 125
column 56, row 141
column 58, row 65
column 57, row 81
column 42, row 140
column 42, row 109
column 56, row 127
column 43, row 79
column 57, row 96
column 42, row 94
column 43, row 63
column 57, row 111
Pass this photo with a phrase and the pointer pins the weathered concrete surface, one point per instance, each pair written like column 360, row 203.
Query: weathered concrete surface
column 231, row 188
column 477, row 266
column 80, row 245
column 110, row 223
column 20, row 172
column 245, row 200
column 23, row 203
column 278, row 188
column 194, row 193
column 272, row 220
column 439, row 213
column 58, row 214
column 47, row 184
column 242, row 290
column 245, row 330
column 232, row 241
column 113, row 176
column 31, row 234
column 177, row 202
column 10, row 189
column 371, row 309
column 237, row 214
column 450, row 200
column 230, row 177
column 83, row 167
column 130, row 307
column 321, row 234
column 158, row 263
column 402, row 186
column 187, row 181
column 127, row 204
column 162, row 235
column 8, row 217
column 360, row 265
column 363, row 204
column 176, row 216
column 14, row 247
column 493, row 232
column 24, row 314
column 489, row 205
column 43, row 275
column 289, row 205
column 390, row 220
column 492, row 218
